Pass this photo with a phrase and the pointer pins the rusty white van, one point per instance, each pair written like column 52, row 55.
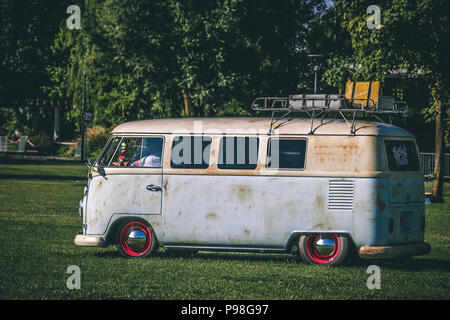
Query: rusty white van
column 322, row 192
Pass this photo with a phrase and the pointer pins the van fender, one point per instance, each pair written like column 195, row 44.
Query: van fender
column 118, row 218
column 292, row 242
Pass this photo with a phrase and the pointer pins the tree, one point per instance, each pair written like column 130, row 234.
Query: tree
column 27, row 31
column 193, row 58
column 414, row 36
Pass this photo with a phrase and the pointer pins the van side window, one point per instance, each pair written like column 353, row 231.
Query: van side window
column 286, row 153
column 138, row 152
column 401, row 155
column 190, row 152
column 238, row 153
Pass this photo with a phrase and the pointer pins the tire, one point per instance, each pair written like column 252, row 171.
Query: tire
column 332, row 250
column 135, row 239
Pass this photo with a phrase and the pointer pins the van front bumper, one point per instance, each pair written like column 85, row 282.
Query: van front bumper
column 83, row 240
column 398, row 251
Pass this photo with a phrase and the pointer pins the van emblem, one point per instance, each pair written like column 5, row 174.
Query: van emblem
column 400, row 155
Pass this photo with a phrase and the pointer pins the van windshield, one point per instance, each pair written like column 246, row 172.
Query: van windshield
column 401, row 155
column 109, row 152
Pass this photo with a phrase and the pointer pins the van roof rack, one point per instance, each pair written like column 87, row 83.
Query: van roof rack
column 360, row 97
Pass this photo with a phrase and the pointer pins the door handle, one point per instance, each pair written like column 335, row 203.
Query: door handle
column 152, row 187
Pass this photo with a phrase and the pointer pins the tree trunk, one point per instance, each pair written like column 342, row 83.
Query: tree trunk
column 438, row 183
column 187, row 104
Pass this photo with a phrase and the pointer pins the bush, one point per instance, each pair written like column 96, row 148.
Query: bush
column 44, row 144
column 66, row 151
column 98, row 136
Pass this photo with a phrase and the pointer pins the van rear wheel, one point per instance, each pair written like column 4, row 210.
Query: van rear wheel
column 136, row 239
column 327, row 249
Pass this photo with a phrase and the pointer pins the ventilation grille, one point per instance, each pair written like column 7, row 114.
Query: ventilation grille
column 340, row 195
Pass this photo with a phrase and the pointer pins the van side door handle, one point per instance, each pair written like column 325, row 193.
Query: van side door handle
column 152, row 187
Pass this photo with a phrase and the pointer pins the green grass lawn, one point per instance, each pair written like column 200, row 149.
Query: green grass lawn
column 39, row 220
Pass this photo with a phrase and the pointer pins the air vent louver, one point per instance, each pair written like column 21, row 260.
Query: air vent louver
column 340, row 195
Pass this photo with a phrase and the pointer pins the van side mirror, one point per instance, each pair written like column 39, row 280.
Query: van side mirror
column 101, row 170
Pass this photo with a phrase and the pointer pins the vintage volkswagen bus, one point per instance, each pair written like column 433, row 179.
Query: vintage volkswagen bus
column 242, row 184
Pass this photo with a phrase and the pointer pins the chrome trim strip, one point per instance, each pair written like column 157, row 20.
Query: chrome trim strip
column 225, row 248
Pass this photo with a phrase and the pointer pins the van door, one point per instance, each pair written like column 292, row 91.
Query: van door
column 127, row 180
column 204, row 208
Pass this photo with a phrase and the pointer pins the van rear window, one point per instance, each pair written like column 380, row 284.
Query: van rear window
column 401, row 155
column 286, row 153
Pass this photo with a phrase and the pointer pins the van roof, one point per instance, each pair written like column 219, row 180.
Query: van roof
column 251, row 125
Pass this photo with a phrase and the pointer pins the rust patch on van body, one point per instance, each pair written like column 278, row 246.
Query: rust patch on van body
column 394, row 251
column 320, row 202
column 323, row 221
column 381, row 205
column 244, row 192
column 165, row 186
column 332, row 153
column 211, row 216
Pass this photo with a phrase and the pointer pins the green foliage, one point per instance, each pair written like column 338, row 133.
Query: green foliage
column 413, row 39
column 27, row 31
column 140, row 57
column 98, row 136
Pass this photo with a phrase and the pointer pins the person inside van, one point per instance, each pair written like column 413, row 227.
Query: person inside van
column 151, row 152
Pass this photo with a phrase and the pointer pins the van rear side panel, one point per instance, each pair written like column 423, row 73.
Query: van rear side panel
column 407, row 209
column 390, row 210
column 371, row 212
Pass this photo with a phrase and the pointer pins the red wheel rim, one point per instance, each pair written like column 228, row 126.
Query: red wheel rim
column 134, row 227
column 315, row 254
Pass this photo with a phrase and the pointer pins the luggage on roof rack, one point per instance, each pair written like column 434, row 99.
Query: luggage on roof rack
column 360, row 97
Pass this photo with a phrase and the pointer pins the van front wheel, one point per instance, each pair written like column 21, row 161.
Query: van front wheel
column 135, row 239
column 327, row 249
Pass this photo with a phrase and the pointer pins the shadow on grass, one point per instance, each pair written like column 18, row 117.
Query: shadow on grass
column 204, row 255
column 410, row 264
column 40, row 160
column 41, row 177
column 407, row 264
